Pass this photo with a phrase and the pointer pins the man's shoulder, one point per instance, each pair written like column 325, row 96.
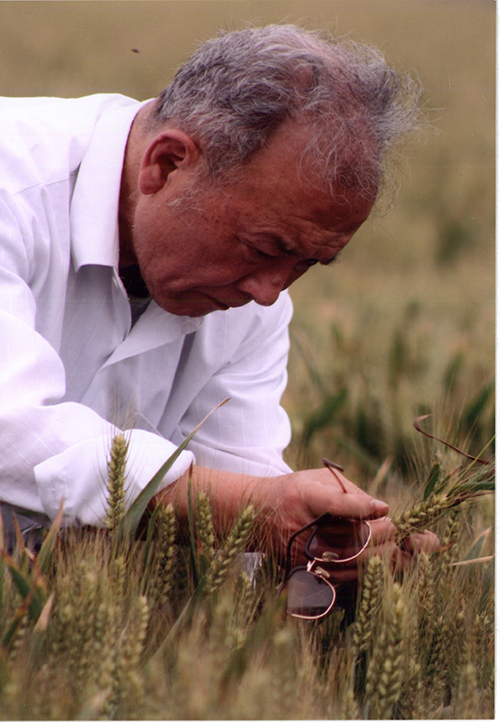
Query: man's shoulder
column 44, row 139
column 57, row 110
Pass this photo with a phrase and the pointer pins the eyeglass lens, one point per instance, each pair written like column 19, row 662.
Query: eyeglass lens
column 341, row 539
column 309, row 596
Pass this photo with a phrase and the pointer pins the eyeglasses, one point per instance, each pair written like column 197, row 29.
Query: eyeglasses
column 310, row 594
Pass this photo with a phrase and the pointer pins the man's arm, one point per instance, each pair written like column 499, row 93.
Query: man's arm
column 286, row 503
column 51, row 449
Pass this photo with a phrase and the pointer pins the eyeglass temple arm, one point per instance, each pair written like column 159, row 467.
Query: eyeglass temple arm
column 295, row 535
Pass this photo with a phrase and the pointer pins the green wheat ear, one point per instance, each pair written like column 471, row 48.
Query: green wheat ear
column 164, row 557
column 117, row 464
column 370, row 605
column 443, row 494
column 234, row 545
column 205, row 526
column 421, row 516
column 384, row 675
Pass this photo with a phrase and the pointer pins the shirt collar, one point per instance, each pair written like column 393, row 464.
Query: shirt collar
column 94, row 221
column 94, row 205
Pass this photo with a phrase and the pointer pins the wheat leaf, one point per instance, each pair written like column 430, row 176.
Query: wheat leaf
column 433, row 478
column 467, row 562
column 28, row 588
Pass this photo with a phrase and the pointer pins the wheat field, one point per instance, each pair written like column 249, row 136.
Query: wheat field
column 100, row 626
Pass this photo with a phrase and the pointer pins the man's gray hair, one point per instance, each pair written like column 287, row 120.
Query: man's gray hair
column 237, row 89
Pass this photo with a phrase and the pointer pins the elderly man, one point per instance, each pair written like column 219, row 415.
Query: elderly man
column 145, row 253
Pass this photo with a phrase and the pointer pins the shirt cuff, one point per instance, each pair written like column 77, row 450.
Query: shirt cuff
column 78, row 475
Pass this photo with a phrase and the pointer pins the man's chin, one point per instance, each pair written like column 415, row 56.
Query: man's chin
column 194, row 308
column 189, row 312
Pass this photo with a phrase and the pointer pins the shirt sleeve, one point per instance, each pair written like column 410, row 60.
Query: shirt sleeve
column 52, row 450
column 249, row 433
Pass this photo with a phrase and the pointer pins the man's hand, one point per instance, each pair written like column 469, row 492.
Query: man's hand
column 286, row 503
column 382, row 544
column 305, row 495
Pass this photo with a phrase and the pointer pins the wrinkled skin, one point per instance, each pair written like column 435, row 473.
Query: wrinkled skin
column 245, row 241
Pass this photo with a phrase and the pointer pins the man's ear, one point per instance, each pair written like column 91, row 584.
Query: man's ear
column 169, row 151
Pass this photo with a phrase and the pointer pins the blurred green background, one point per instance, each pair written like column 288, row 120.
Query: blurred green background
column 404, row 324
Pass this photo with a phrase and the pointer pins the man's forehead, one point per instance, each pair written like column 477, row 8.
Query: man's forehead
column 303, row 230
column 305, row 206
column 285, row 170
column 277, row 198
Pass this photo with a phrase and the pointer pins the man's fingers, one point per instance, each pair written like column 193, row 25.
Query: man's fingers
column 345, row 574
column 350, row 506
column 423, row 542
column 382, row 530
column 336, row 480
column 382, row 545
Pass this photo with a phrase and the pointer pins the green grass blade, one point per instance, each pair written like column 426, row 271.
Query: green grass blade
column 18, row 618
column 32, row 589
column 39, row 634
column 45, row 553
column 476, row 550
column 477, row 405
column 432, row 479
column 322, row 417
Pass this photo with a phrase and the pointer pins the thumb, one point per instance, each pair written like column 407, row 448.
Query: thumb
column 322, row 499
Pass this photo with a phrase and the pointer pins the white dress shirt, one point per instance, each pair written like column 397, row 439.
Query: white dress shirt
column 72, row 370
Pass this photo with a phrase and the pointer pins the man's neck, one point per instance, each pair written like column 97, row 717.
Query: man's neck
column 133, row 282
column 134, row 149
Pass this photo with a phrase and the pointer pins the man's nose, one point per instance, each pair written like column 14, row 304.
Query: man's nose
column 265, row 285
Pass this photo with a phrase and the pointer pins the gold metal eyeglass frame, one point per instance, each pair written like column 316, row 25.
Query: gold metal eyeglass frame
column 320, row 574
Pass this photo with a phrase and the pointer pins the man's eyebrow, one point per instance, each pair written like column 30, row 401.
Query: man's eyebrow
column 331, row 260
column 284, row 247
